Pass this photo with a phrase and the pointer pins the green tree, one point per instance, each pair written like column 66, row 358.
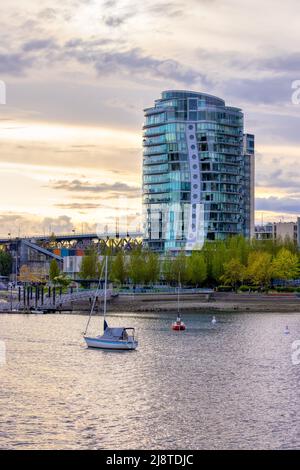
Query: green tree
column 197, row 269
column 90, row 265
column 167, row 270
column 234, row 273
column 119, row 269
column 238, row 248
column 179, row 268
column 218, row 256
column 285, row 265
column 62, row 280
column 136, row 269
column 5, row 263
column 151, row 268
column 54, row 270
column 259, row 269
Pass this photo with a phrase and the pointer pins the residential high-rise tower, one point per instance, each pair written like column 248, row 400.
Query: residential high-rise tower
column 198, row 172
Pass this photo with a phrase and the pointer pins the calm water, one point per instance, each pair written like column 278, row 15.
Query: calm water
column 231, row 385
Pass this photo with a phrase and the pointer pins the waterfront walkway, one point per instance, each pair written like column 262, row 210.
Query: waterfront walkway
column 59, row 302
column 167, row 302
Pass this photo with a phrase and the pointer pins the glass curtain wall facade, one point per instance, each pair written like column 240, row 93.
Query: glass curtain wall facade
column 198, row 172
column 248, row 173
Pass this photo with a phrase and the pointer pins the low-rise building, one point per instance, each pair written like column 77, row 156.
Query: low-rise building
column 279, row 231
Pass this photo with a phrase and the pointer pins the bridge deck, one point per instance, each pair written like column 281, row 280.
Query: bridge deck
column 76, row 236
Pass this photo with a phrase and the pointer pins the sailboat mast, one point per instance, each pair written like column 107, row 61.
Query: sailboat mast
column 94, row 302
column 105, row 288
column 178, row 293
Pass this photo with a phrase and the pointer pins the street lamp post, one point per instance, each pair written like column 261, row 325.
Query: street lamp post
column 11, row 296
column 16, row 263
column 74, row 260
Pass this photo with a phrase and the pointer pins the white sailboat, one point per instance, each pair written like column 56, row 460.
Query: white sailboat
column 120, row 338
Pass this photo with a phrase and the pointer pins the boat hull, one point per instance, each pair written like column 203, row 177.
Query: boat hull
column 98, row 343
column 178, row 326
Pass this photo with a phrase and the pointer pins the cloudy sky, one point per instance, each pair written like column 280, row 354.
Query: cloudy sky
column 78, row 74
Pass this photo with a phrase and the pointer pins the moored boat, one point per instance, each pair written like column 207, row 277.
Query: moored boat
column 120, row 338
column 113, row 338
column 37, row 311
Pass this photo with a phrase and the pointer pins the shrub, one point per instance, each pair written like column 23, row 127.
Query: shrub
column 285, row 289
column 224, row 289
column 247, row 288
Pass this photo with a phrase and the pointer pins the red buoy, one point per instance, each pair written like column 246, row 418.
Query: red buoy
column 178, row 325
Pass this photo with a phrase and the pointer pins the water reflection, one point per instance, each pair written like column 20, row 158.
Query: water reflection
column 228, row 385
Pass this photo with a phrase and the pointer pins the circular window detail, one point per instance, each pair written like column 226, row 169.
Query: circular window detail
column 195, row 177
column 194, row 156
column 191, row 136
column 193, row 226
column 191, row 127
column 195, row 196
column 194, row 216
column 193, row 147
column 195, row 186
column 195, row 167
column 194, row 206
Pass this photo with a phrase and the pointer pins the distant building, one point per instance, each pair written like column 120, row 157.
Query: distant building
column 26, row 252
column 264, row 231
column 198, row 172
column 279, row 230
column 285, row 230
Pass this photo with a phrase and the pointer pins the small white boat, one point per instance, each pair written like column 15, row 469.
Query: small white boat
column 286, row 331
column 37, row 312
column 113, row 338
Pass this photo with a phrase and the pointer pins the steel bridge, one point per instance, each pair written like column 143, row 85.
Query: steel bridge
column 103, row 241
column 37, row 251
